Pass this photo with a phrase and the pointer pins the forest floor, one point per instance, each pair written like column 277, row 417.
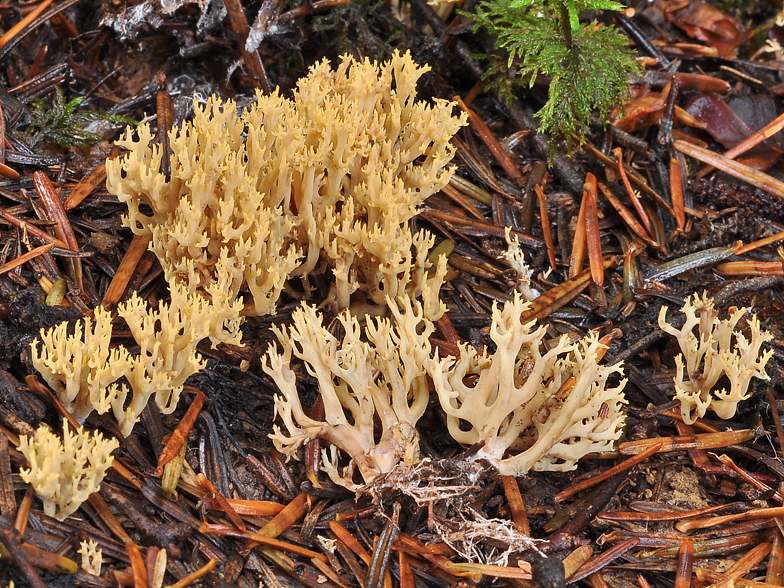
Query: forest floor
column 712, row 80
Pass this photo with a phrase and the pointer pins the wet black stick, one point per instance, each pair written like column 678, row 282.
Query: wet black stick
column 10, row 538
column 584, row 516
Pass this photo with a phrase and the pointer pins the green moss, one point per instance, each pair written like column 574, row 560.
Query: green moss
column 63, row 124
column 588, row 64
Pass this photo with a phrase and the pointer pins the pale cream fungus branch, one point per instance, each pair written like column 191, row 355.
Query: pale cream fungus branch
column 527, row 407
column 513, row 400
column 372, row 382
column 83, row 370
column 65, row 473
column 715, row 349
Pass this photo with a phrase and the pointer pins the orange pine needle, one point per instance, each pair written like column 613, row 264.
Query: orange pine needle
column 25, row 257
column 592, row 235
column 562, row 294
column 627, row 216
column 750, row 515
column 191, row 578
column 735, row 169
column 578, row 243
column 685, row 564
column 137, row 565
column 125, row 270
column 259, row 539
column 62, row 225
column 14, row 220
column 180, row 433
column 348, row 539
column 18, row 27
column 633, row 195
column 676, row 189
column 750, row 268
column 492, row 143
column 548, row 236
column 86, row 186
column 760, row 243
column 682, row 443
column 222, row 502
column 255, row 508
column 749, row 142
column 593, row 480
column 516, row 504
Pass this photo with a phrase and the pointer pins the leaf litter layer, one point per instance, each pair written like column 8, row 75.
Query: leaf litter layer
column 606, row 246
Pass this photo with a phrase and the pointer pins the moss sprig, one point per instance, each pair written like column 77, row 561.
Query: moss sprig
column 588, row 63
column 63, row 124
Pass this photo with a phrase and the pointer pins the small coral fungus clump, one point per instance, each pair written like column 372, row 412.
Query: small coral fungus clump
column 65, row 473
column 86, row 373
column 373, row 387
column 322, row 184
column 716, row 349
column 527, row 406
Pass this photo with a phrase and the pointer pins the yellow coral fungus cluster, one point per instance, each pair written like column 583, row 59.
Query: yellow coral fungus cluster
column 527, row 405
column 83, row 370
column 64, row 474
column 323, row 183
column 716, row 349
column 373, row 386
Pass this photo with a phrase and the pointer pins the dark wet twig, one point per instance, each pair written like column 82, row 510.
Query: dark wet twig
column 11, row 539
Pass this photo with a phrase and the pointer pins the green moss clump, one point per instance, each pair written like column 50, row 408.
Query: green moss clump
column 588, row 63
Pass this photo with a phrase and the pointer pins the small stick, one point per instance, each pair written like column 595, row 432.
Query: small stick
column 163, row 105
column 8, row 506
column 593, row 480
column 239, row 24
